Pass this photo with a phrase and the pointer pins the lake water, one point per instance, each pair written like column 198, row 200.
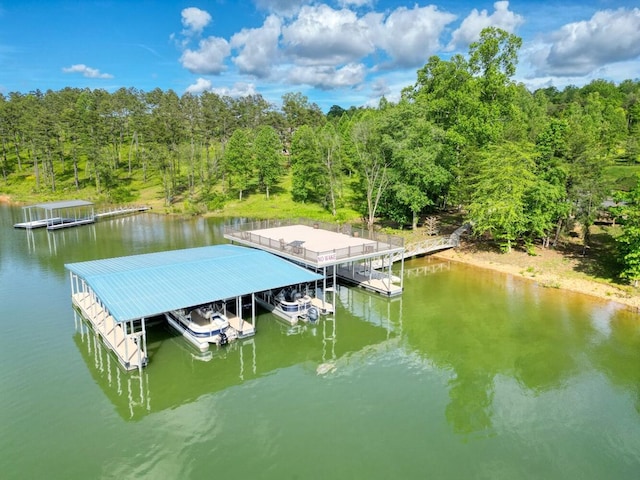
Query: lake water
column 470, row 374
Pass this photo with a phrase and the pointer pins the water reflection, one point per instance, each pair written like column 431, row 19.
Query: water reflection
column 65, row 238
column 471, row 406
column 615, row 352
column 178, row 375
column 114, row 237
column 491, row 329
column 372, row 308
column 462, row 354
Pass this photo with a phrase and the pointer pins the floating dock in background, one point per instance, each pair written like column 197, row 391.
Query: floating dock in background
column 56, row 215
column 334, row 251
column 69, row 213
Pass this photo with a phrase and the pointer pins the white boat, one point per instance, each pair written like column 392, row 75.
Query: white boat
column 202, row 326
column 289, row 305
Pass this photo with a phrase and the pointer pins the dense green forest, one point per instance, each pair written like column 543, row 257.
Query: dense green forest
column 522, row 165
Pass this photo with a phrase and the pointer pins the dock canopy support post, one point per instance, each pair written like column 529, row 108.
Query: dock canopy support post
column 125, row 331
column 253, row 309
column 239, row 313
column 144, row 339
column 324, row 285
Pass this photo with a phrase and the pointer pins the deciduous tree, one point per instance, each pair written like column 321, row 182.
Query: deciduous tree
column 267, row 151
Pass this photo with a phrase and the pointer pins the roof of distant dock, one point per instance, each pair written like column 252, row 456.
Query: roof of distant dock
column 142, row 286
column 61, row 204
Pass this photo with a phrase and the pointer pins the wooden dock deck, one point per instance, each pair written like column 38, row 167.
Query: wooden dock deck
column 244, row 329
column 123, row 345
column 324, row 307
column 373, row 280
column 35, row 223
column 70, row 222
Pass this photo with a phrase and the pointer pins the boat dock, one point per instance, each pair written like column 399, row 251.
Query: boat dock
column 334, row 251
column 69, row 213
column 56, row 215
column 120, row 211
column 119, row 295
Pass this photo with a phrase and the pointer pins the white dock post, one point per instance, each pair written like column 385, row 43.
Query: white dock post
column 124, row 339
column 324, row 284
column 144, row 337
column 115, row 339
column 253, row 310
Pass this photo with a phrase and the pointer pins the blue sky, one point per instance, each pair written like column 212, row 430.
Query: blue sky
column 343, row 52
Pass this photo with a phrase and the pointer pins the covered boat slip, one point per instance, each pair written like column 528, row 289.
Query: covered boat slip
column 69, row 213
column 55, row 215
column 335, row 344
column 118, row 295
column 333, row 250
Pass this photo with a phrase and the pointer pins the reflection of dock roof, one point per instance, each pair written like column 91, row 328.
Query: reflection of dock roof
column 142, row 286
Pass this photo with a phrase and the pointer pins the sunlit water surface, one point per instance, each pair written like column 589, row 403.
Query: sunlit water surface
column 470, row 374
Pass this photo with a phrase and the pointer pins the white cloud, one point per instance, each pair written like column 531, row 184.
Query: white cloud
column 390, row 84
column 409, row 36
column 239, row 89
column 327, row 77
column 209, row 58
column 201, row 85
column 321, row 35
column 355, row 3
column 470, row 28
column 380, row 88
column 87, row 72
column 258, row 48
column 194, row 20
column 282, row 7
column 320, row 45
column 580, row 48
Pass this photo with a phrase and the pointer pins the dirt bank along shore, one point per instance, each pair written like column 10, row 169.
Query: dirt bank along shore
column 548, row 268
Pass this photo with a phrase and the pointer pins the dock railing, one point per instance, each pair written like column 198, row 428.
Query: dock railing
column 383, row 242
column 117, row 210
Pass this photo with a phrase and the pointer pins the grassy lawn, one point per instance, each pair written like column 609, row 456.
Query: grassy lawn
column 622, row 176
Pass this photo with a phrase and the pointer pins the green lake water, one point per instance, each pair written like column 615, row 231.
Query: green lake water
column 470, row 374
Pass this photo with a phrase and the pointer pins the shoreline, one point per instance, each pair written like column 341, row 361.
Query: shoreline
column 537, row 269
column 546, row 269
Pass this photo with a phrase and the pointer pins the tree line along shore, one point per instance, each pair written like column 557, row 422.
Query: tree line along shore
column 527, row 169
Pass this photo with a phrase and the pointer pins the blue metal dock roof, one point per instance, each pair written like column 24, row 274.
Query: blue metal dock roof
column 142, row 286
